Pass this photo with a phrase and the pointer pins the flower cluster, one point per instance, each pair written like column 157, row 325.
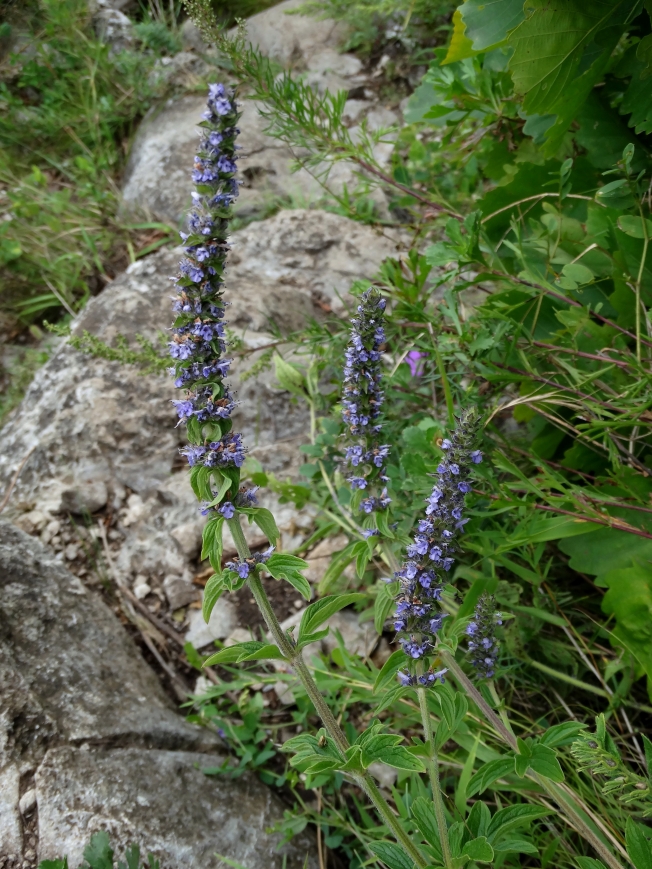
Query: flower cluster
column 362, row 401
column 418, row 618
column 198, row 341
column 243, row 567
column 482, row 633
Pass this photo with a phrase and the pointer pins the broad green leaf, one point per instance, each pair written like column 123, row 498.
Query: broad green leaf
column 479, row 849
column 299, row 582
column 249, row 651
column 629, row 600
column 212, row 591
column 264, row 519
column 578, row 273
column 561, row 734
column 384, row 747
column 514, row 816
column 479, row 819
column 647, row 745
column 549, row 45
column 609, row 550
column 489, row 773
column 391, row 855
column 638, row 844
column 305, row 746
column 460, row 45
column 289, row 377
column 544, row 761
column 521, row 765
column 489, row 21
column 353, row 760
column 423, row 813
column 637, row 103
column 224, row 482
column 321, row 610
column 514, row 843
column 637, row 227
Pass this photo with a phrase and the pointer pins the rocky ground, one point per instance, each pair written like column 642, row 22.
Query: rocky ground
column 99, row 554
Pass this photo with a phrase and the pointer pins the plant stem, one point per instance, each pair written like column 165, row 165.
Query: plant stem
column 562, row 794
column 433, row 773
column 285, row 644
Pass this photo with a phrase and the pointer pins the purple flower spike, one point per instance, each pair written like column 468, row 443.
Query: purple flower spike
column 430, row 556
column 198, row 332
column 483, row 644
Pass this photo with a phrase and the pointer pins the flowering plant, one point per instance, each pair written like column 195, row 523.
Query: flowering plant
column 424, row 835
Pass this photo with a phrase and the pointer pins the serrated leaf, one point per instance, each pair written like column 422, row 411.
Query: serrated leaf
column 460, row 46
column 489, row 21
column 488, row 774
column 321, row 610
column 391, row 855
column 638, row 844
column 389, row 698
column 212, row 591
column 248, row 651
column 561, row 734
column 548, row 48
column 424, row 816
column 515, row 844
column 299, row 582
column 544, row 761
column 400, row 757
column 479, row 819
column 264, row 519
column 513, row 816
column 312, row 638
column 479, row 850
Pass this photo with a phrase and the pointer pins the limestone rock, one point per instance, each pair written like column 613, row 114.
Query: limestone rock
column 292, row 39
column 161, row 800
column 85, row 724
column 64, row 661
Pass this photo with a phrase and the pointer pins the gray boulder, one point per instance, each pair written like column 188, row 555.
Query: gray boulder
column 89, row 741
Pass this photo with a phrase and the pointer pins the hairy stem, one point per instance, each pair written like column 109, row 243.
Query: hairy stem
column 285, row 644
column 566, row 799
column 433, row 773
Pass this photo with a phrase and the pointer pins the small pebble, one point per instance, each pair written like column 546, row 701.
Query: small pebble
column 142, row 590
column 71, row 552
column 27, row 801
column 297, row 604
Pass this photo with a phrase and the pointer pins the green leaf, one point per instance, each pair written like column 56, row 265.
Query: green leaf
column 544, row 761
column 578, row 273
column 289, row 376
column 298, row 581
column 636, row 227
column 321, row 610
column 647, row 746
column 460, row 46
column 54, row 864
column 391, row 855
column 479, row 850
column 353, row 762
column 249, row 651
column 383, row 605
column 489, row 773
column 424, row 816
column 214, row 588
column 383, row 747
column 265, row 521
column 561, row 734
column 489, row 21
column 521, row 765
column 99, row 853
column 479, row 819
column 513, row 843
column 589, row 863
column 286, row 567
column 514, row 816
column 629, row 599
column 638, row 844
column 338, row 563
column 549, row 45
